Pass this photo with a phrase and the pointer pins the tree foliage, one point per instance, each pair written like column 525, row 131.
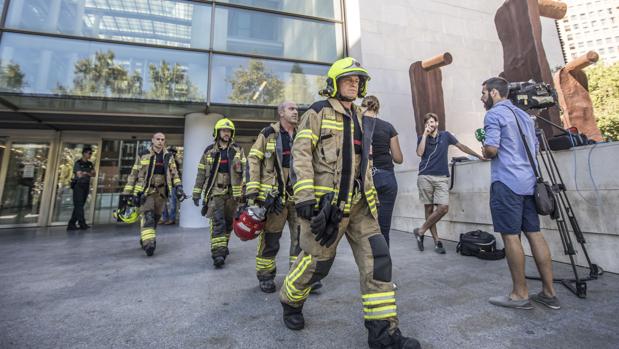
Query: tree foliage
column 11, row 77
column 255, row 85
column 604, row 92
column 102, row 75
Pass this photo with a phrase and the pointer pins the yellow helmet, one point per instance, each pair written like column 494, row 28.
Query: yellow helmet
column 129, row 215
column 223, row 124
column 345, row 67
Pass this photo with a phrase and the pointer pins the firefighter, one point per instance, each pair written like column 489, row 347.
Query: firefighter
column 220, row 177
column 269, row 186
column 153, row 177
column 335, row 196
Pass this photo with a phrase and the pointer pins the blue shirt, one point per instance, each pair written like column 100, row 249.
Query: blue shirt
column 511, row 166
column 434, row 159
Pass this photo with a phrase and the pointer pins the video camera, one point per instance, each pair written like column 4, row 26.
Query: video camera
column 532, row 95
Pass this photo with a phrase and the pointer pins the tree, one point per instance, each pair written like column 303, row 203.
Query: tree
column 101, row 76
column 12, row 79
column 171, row 83
column 254, row 85
column 604, row 92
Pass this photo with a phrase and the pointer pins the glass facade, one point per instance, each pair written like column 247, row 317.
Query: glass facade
column 159, row 22
column 162, row 50
column 242, row 80
column 86, row 68
column 246, row 31
column 317, row 8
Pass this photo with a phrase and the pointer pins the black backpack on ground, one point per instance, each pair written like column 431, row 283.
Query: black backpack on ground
column 480, row 244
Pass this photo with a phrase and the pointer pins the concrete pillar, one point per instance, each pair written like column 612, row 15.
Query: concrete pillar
column 198, row 135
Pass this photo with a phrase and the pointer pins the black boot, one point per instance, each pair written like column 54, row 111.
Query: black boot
column 316, row 286
column 293, row 317
column 267, row 286
column 379, row 337
column 71, row 227
column 149, row 247
column 219, row 261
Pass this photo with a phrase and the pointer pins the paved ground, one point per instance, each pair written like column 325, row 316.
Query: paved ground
column 99, row 290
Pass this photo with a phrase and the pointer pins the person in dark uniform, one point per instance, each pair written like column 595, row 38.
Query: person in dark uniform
column 83, row 169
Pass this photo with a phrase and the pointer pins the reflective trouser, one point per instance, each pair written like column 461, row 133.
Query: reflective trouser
column 150, row 210
column 221, row 210
column 268, row 241
column 371, row 255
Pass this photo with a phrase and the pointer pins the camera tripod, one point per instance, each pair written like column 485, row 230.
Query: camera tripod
column 578, row 284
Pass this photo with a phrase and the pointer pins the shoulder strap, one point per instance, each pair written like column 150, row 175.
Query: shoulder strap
column 526, row 145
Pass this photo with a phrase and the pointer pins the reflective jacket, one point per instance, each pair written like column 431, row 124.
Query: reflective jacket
column 265, row 161
column 318, row 154
column 139, row 181
column 210, row 181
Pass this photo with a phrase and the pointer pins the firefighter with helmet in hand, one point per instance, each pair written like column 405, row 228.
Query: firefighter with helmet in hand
column 219, row 182
column 150, row 183
column 334, row 197
column 269, row 186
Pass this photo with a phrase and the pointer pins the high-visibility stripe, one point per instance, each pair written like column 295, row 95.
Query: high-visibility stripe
column 263, row 264
column 197, row 190
column 385, row 312
column 371, row 296
column 201, row 166
column 145, row 162
column 135, row 167
column 177, row 181
column 292, row 292
column 307, row 134
column 302, row 182
column 128, row 188
column 147, row 234
column 257, row 153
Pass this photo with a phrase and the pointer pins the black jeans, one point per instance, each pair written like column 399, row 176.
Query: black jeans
column 80, row 194
column 387, row 188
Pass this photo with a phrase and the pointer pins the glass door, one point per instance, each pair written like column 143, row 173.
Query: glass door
column 25, row 165
column 70, row 152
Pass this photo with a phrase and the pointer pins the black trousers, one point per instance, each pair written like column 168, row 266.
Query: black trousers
column 80, row 194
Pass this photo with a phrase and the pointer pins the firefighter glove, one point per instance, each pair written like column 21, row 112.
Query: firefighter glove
column 273, row 203
column 305, row 210
column 251, row 198
column 180, row 194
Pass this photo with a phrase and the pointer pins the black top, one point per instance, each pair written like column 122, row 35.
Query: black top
column 224, row 166
column 83, row 166
column 159, row 163
column 286, row 145
column 434, row 160
column 381, row 140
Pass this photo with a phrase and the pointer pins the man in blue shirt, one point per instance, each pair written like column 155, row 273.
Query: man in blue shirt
column 512, row 203
column 433, row 177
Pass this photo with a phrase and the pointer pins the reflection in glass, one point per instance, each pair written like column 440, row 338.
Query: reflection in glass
column 245, row 31
column 160, row 22
column 23, row 187
column 240, row 80
column 117, row 158
column 63, row 205
column 82, row 68
column 317, row 8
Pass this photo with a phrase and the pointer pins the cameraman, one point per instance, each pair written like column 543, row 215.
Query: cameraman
column 512, row 203
column 433, row 177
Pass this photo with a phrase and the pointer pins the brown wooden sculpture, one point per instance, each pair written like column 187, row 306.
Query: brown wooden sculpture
column 427, row 89
column 520, row 31
column 573, row 91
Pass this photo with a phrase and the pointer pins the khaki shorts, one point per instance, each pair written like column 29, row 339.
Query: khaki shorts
column 433, row 189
